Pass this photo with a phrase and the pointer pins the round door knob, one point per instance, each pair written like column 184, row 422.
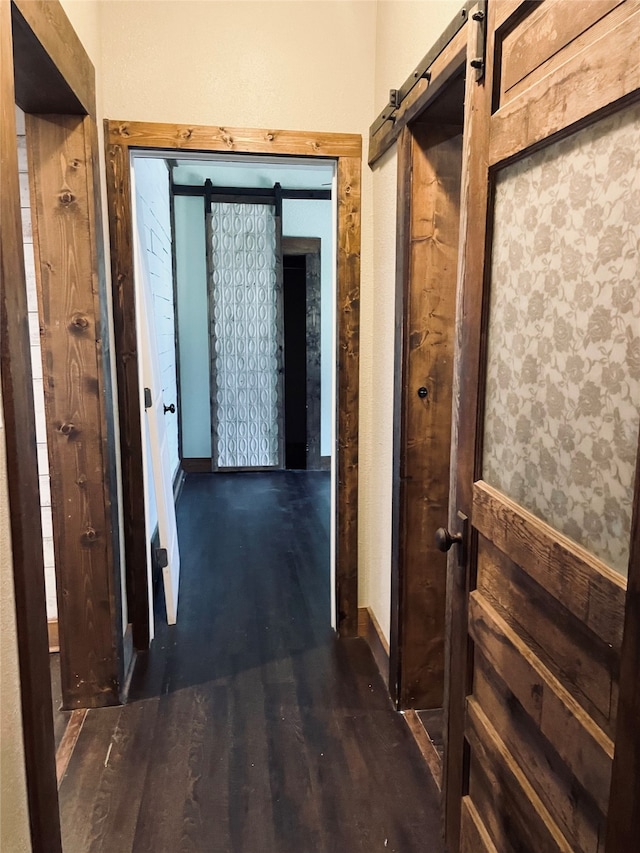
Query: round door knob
column 171, row 408
column 422, row 392
column 444, row 539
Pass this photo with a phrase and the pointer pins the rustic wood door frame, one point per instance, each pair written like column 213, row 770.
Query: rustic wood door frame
column 123, row 137
column 429, row 161
column 52, row 76
column 310, row 248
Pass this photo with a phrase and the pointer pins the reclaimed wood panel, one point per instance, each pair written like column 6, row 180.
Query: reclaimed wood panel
column 574, row 88
column 226, row 139
column 549, row 29
column 64, row 246
column 587, row 587
column 570, row 805
column 474, row 837
column 22, row 481
column 586, row 666
column 348, row 358
column 582, row 745
column 427, row 362
column 517, row 817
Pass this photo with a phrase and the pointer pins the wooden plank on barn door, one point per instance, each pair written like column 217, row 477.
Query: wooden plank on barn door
column 90, row 616
column 159, row 479
column 545, row 450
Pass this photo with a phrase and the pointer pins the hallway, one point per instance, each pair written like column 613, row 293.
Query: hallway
column 250, row 728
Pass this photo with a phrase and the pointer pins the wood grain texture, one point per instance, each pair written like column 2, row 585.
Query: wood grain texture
column 225, row 139
column 573, row 89
column 126, row 345
column 624, row 804
column 466, row 396
column 474, row 837
column 443, row 69
column 586, row 666
column 581, row 744
column 426, row 746
column 571, row 807
column 251, row 727
column 586, row 586
column 347, row 397
column 22, row 480
column 429, row 303
column 71, row 332
column 545, row 32
column 53, row 30
column 516, row 819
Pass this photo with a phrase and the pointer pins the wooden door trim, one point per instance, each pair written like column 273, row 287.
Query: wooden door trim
column 311, row 248
column 446, row 69
column 52, row 73
column 466, row 387
column 624, row 801
column 121, row 138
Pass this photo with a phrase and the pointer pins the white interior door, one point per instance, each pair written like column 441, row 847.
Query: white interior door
column 158, row 480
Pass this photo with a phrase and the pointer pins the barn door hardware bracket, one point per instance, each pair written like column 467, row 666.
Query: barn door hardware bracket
column 148, row 401
column 479, row 23
column 423, row 70
column 162, row 558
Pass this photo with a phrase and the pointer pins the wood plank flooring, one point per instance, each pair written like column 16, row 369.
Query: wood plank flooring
column 250, row 727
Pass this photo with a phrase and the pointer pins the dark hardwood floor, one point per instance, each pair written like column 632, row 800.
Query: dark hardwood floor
column 250, row 727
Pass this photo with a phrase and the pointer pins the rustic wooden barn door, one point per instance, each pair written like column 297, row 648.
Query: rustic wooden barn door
column 548, row 368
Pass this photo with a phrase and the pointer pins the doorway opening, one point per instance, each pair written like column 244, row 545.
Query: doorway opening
column 295, row 361
column 430, row 170
column 344, row 152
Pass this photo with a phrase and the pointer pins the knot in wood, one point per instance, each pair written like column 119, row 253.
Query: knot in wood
column 67, row 429
column 75, row 163
column 79, row 322
column 270, row 137
column 347, row 189
column 186, row 133
column 66, row 197
column 89, row 536
column 123, row 130
column 82, row 480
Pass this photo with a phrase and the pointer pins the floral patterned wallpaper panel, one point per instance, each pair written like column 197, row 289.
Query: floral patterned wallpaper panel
column 563, row 390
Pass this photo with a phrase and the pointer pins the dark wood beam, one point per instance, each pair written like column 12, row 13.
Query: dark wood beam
column 22, row 482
